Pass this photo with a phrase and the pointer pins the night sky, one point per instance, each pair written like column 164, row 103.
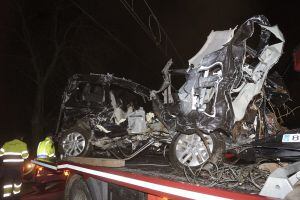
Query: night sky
column 126, row 51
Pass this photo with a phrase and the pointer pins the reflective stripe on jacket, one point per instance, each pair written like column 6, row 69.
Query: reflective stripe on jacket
column 46, row 148
column 14, row 151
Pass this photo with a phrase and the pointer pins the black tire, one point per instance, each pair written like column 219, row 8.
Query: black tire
column 77, row 189
column 40, row 187
column 86, row 135
column 216, row 154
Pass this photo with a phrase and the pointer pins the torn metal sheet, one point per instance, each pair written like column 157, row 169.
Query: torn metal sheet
column 220, row 82
column 215, row 41
column 269, row 56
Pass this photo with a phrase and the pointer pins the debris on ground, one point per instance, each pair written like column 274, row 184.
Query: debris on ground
column 239, row 177
column 271, row 166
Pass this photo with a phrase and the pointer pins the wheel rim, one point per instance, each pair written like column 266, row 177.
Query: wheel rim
column 73, row 144
column 80, row 195
column 191, row 150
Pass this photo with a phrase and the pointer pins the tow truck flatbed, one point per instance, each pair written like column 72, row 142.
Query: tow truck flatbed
column 139, row 180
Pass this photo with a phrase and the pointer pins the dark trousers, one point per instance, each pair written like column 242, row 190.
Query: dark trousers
column 11, row 180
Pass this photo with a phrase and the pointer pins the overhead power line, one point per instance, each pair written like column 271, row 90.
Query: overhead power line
column 107, row 31
column 167, row 36
column 162, row 34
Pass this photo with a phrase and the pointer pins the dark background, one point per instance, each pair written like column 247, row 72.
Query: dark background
column 104, row 38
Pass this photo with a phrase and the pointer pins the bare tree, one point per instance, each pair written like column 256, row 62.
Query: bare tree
column 54, row 43
column 45, row 49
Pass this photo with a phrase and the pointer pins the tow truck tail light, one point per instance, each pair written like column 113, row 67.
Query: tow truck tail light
column 66, row 172
column 39, row 171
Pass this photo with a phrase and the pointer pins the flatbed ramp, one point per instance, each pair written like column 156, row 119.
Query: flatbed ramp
column 158, row 179
column 100, row 162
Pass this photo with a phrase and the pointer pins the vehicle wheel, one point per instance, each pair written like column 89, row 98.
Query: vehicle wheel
column 40, row 187
column 189, row 150
column 75, row 142
column 77, row 189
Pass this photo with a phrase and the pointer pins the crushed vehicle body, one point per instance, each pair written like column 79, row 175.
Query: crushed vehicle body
column 221, row 82
column 225, row 103
column 97, row 105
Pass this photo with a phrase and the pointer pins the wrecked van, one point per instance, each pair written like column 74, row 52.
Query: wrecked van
column 225, row 104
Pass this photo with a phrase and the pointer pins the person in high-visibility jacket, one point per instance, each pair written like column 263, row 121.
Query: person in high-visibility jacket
column 13, row 154
column 46, row 148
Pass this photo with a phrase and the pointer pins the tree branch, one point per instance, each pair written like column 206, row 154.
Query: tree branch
column 28, row 42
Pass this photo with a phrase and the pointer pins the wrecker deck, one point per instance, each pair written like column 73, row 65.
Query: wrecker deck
column 155, row 180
